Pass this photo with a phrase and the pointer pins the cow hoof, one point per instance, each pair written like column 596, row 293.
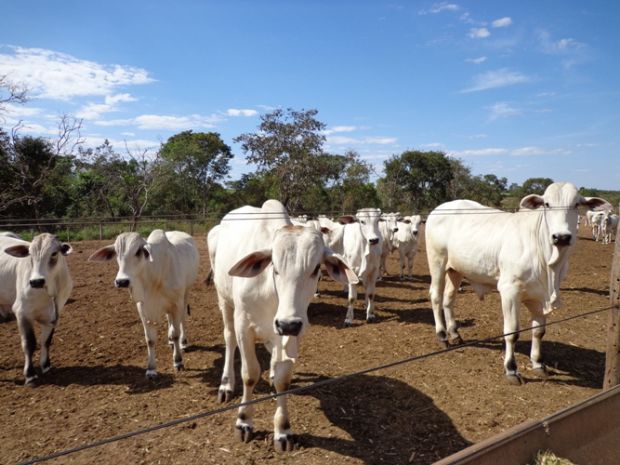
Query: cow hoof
column 284, row 443
column 184, row 344
column 224, row 395
column 46, row 369
column 151, row 374
column 443, row 343
column 514, row 379
column 540, row 372
column 179, row 366
column 371, row 319
column 31, row 381
column 243, row 433
column 456, row 341
column 348, row 323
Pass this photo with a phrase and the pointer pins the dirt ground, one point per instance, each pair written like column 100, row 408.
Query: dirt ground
column 414, row 413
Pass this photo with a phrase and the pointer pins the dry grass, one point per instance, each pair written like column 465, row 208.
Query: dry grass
column 549, row 458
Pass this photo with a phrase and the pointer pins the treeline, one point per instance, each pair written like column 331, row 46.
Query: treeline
column 189, row 174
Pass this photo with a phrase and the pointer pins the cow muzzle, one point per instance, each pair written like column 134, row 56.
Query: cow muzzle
column 561, row 240
column 121, row 283
column 373, row 241
column 289, row 327
column 37, row 283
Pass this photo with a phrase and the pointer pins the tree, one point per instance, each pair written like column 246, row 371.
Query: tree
column 11, row 92
column 192, row 165
column 416, row 181
column 535, row 186
column 289, row 146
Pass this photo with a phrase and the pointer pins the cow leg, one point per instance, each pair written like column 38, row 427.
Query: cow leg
column 150, row 335
column 410, row 264
column 438, row 284
column 174, row 336
column 283, row 439
column 538, row 331
column 250, row 373
column 452, row 285
column 47, row 333
column 348, row 321
column 29, row 345
column 185, row 314
column 510, row 308
column 401, row 262
column 227, row 385
column 369, row 290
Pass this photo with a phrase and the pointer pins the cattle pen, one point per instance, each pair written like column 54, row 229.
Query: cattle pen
column 353, row 401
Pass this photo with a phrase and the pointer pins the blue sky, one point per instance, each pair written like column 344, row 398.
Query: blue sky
column 518, row 89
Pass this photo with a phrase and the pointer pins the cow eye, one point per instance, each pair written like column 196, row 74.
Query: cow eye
column 546, row 204
column 275, row 272
column 362, row 222
column 316, row 270
column 53, row 258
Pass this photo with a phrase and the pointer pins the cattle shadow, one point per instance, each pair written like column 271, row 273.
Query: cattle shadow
column 567, row 364
column 122, row 375
column 387, row 420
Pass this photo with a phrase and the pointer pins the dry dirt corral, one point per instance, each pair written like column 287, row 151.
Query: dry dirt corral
column 414, row 413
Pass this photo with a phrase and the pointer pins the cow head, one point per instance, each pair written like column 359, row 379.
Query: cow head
column 296, row 256
column 131, row 252
column 560, row 204
column 45, row 251
column 369, row 219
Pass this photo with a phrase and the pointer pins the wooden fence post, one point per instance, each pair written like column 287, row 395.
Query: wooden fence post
column 612, row 359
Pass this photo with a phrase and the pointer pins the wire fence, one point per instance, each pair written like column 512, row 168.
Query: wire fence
column 298, row 390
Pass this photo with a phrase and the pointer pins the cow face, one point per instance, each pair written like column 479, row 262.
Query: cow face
column 131, row 252
column 415, row 221
column 369, row 219
column 296, row 256
column 560, row 204
column 44, row 252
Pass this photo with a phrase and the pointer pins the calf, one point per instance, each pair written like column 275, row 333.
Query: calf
column 362, row 244
column 523, row 255
column 35, row 281
column 388, row 228
column 406, row 240
column 265, row 271
column 158, row 272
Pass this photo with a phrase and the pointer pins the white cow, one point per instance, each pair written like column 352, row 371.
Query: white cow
column 363, row 244
column 609, row 227
column 406, row 240
column 523, row 255
column 333, row 234
column 595, row 221
column 265, row 271
column 35, row 280
column 158, row 272
column 388, row 228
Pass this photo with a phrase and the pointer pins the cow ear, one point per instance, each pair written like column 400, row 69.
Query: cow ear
column 103, row 254
column 251, row 265
column 19, row 251
column 407, row 221
column 347, row 219
column 338, row 269
column 532, row 201
column 146, row 251
column 65, row 249
column 596, row 203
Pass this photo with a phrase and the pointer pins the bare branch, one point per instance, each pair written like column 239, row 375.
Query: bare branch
column 69, row 135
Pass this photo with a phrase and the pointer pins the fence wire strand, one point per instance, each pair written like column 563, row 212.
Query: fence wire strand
column 297, row 390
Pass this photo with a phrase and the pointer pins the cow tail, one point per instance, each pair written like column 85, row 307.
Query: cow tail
column 209, row 279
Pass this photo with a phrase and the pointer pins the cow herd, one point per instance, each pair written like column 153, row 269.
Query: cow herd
column 265, row 267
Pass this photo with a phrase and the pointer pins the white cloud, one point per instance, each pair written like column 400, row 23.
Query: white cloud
column 487, row 152
column 432, row 145
column 241, row 112
column 497, row 78
column 532, row 151
column 55, row 75
column 95, row 110
column 440, row 7
column 476, row 61
column 165, row 122
column 503, row 110
column 558, row 47
column 502, row 22
column 342, row 140
column 479, row 33
column 19, row 111
column 337, row 129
